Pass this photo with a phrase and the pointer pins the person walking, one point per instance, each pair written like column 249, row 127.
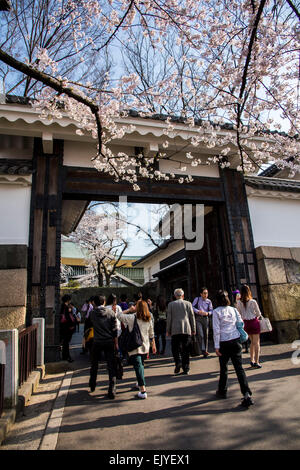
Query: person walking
column 250, row 313
column 181, row 325
column 236, row 295
column 203, row 308
column 228, row 346
column 113, row 305
column 87, row 339
column 138, row 356
column 67, row 326
column 160, row 324
column 104, row 322
column 123, row 302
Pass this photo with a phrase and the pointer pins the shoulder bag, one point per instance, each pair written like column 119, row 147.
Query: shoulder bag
column 240, row 327
column 265, row 325
column 130, row 340
column 195, row 349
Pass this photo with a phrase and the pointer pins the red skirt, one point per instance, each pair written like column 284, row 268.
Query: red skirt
column 252, row 327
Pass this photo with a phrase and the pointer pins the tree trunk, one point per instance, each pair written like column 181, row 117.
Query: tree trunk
column 99, row 275
column 107, row 278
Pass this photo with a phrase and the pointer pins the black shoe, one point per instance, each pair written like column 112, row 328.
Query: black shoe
column 111, row 395
column 92, row 388
column 252, row 364
column 186, row 371
column 221, row 394
column 177, row 369
column 246, row 402
column 70, row 359
column 256, row 365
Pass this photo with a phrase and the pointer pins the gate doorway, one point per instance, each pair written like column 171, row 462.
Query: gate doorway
column 227, row 259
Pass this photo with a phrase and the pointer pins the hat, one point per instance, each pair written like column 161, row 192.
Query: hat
column 236, row 292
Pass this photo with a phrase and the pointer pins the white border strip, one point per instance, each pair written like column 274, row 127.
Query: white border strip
column 49, row 440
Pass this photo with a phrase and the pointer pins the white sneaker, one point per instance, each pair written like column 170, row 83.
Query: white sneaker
column 142, row 395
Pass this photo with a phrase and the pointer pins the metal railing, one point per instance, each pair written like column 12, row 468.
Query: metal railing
column 27, row 352
column 2, row 372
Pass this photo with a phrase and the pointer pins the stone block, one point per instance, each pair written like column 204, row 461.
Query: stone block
column 281, row 302
column 286, row 331
column 271, row 271
column 292, row 269
column 13, row 290
column 273, row 252
column 12, row 317
column 13, row 256
column 296, row 254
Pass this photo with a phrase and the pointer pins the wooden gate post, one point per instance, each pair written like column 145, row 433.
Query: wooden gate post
column 45, row 243
column 239, row 251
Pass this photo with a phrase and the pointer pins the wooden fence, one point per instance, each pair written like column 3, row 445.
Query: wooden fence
column 27, row 352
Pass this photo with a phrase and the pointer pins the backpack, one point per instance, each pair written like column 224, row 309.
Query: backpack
column 130, row 340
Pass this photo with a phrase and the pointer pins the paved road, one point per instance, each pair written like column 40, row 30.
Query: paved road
column 181, row 412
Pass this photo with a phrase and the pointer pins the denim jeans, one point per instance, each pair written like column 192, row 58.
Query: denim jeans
column 232, row 350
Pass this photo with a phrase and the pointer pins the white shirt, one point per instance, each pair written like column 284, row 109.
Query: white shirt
column 224, row 320
column 249, row 312
column 118, row 310
column 146, row 329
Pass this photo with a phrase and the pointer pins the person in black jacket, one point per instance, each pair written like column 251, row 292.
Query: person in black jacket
column 105, row 327
column 67, row 326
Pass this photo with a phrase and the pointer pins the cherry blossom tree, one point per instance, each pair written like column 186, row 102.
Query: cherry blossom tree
column 102, row 240
column 228, row 68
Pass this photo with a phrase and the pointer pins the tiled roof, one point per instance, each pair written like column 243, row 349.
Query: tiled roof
column 275, row 184
column 15, row 167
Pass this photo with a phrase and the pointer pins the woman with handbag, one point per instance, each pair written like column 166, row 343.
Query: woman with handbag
column 137, row 356
column 67, row 326
column 250, row 313
column 228, row 346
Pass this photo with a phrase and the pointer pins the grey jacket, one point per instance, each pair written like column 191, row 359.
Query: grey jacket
column 105, row 324
column 180, row 318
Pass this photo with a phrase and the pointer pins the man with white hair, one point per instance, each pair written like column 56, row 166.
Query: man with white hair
column 181, row 325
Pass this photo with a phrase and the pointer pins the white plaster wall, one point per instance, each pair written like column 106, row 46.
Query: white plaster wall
column 151, row 265
column 14, row 214
column 80, row 154
column 275, row 222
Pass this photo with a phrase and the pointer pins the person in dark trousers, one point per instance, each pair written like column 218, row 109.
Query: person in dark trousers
column 203, row 308
column 181, row 325
column 67, row 326
column 160, row 324
column 228, row 346
column 104, row 322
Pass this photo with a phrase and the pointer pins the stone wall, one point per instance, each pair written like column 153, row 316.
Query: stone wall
column 279, row 277
column 13, row 282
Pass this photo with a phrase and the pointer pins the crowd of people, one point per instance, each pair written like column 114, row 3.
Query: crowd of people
column 109, row 324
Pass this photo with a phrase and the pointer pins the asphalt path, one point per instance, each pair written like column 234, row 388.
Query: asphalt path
column 181, row 412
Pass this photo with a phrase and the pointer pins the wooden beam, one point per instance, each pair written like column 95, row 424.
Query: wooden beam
column 88, row 183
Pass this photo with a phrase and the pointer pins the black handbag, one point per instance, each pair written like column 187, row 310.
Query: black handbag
column 130, row 340
column 119, row 367
column 194, row 347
